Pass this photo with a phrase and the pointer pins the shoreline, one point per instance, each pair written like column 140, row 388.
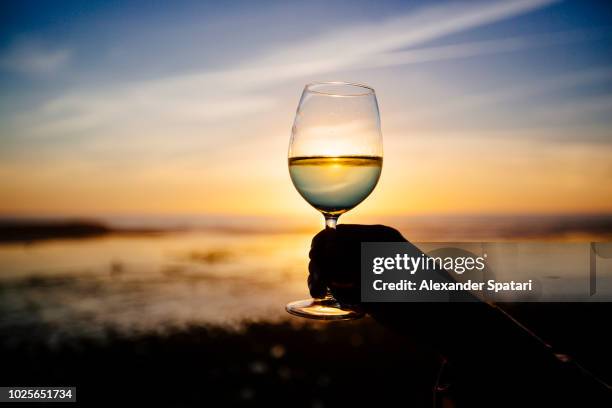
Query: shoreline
column 469, row 228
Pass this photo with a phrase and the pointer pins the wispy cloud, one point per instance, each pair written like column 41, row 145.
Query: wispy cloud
column 213, row 95
column 592, row 76
column 480, row 48
column 356, row 45
column 33, row 58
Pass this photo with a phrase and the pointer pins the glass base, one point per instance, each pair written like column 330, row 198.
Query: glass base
column 322, row 309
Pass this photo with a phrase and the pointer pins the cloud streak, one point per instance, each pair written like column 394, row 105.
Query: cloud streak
column 566, row 81
column 31, row 58
column 209, row 96
column 480, row 48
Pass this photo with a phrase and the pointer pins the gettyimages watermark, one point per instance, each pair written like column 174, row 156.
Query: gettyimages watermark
column 500, row 272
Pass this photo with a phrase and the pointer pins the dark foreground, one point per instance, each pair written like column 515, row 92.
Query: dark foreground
column 289, row 364
column 279, row 365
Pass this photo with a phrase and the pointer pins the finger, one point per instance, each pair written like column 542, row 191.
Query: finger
column 322, row 244
column 368, row 233
column 316, row 284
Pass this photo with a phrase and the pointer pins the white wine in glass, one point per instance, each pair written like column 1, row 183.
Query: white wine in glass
column 335, row 161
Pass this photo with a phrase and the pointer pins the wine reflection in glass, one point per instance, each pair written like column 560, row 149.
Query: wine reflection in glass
column 335, row 160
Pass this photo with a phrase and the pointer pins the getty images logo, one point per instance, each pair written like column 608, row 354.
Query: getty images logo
column 412, row 264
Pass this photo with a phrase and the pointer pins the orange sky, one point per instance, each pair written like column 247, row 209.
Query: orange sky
column 478, row 115
column 421, row 174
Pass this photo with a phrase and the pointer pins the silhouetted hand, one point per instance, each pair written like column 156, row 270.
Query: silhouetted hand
column 335, row 257
column 495, row 358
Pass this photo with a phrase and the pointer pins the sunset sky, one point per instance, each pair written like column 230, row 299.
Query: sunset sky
column 186, row 107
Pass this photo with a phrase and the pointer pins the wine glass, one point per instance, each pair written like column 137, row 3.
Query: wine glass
column 335, row 160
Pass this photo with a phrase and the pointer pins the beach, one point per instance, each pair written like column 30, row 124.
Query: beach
column 198, row 315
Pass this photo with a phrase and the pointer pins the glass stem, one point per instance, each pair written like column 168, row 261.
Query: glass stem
column 331, row 221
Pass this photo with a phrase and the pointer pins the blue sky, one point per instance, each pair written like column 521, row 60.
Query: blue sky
column 168, row 99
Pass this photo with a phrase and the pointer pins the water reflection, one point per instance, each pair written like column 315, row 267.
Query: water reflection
column 222, row 276
column 150, row 283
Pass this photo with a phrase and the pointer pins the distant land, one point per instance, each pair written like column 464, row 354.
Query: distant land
column 37, row 230
column 565, row 227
